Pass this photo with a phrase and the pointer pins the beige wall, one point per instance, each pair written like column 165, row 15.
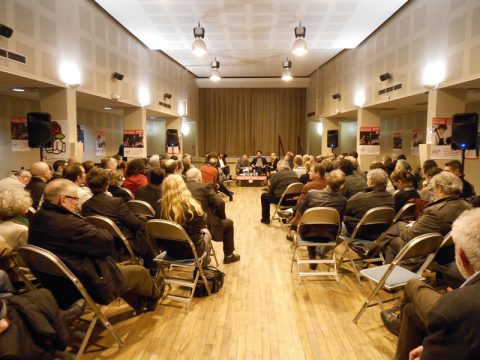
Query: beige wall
column 10, row 106
column 51, row 32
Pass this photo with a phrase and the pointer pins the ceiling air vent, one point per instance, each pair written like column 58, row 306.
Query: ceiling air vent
column 13, row 56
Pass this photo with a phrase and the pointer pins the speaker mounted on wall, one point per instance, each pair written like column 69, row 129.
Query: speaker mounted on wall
column 332, row 138
column 172, row 137
column 39, row 126
column 464, row 131
column 6, row 31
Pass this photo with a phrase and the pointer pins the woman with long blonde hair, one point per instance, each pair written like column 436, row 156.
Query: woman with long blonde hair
column 178, row 205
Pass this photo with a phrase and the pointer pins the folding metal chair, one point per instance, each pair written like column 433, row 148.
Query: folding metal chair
column 328, row 220
column 102, row 222
column 172, row 268
column 291, row 194
column 406, row 213
column 140, row 207
column 43, row 261
column 129, row 193
column 374, row 222
column 393, row 276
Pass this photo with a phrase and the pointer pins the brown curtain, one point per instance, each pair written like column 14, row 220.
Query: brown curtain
column 238, row 121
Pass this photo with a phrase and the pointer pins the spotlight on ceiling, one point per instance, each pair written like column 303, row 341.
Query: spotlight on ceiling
column 117, row 76
column 287, row 70
column 6, row 31
column 299, row 46
column 336, row 96
column 385, row 76
column 199, row 48
column 215, row 65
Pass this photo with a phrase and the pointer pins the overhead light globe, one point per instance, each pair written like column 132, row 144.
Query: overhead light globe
column 287, row 70
column 215, row 75
column 199, row 48
column 299, row 47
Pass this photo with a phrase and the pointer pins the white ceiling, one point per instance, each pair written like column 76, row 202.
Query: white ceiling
column 251, row 38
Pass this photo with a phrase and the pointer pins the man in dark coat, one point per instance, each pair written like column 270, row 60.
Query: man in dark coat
column 277, row 185
column 374, row 196
column 445, row 326
column 87, row 250
column 219, row 225
column 152, row 192
column 258, row 163
column 41, row 174
column 115, row 209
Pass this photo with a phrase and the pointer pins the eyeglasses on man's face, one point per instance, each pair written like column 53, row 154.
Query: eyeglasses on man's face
column 71, row 197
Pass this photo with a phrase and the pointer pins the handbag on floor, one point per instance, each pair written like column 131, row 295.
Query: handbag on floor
column 214, row 278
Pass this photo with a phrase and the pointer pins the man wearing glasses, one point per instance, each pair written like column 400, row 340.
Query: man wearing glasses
column 87, row 251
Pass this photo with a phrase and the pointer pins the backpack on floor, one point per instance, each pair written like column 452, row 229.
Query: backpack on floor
column 214, row 278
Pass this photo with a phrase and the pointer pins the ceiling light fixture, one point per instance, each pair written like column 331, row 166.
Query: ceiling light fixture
column 215, row 65
column 199, row 48
column 299, row 46
column 18, row 90
column 287, row 70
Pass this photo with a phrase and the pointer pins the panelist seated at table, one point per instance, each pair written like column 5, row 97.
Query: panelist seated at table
column 242, row 165
column 258, row 163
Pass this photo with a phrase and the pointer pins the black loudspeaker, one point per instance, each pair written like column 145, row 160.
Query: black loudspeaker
column 39, row 127
column 464, row 131
column 332, row 138
column 6, row 31
column 172, row 137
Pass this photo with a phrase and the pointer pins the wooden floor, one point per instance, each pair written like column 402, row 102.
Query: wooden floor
column 262, row 312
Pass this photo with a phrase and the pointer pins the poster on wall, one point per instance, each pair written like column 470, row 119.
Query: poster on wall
column 101, row 143
column 441, row 139
column 397, row 143
column 369, row 140
column 417, row 139
column 60, row 149
column 134, row 146
column 19, row 133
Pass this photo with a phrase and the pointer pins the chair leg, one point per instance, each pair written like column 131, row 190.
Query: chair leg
column 107, row 325
column 212, row 252
column 368, row 300
column 87, row 337
column 207, row 286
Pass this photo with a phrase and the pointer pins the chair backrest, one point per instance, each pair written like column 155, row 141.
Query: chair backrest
column 374, row 222
column 140, row 207
column 448, row 240
column 407, row 212
column 165, row 230
column 324, row 219
column 129, row 193
column 292, row 192
column 43, row 261
column 103, row 222
column 422, row 245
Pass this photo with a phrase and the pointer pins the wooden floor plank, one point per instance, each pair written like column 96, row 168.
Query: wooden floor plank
column 262, row 312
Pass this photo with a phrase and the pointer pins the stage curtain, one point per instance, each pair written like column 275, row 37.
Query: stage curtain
column 238, row 121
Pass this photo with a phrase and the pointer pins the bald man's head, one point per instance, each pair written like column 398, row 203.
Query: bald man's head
column 41, row 170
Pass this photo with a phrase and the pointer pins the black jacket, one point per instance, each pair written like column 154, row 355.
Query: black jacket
column 85, row 249
column 36, row 187
column 150, row 194
column 212, row 204
column 36, row 329
column 280, row 181
column 117, row 191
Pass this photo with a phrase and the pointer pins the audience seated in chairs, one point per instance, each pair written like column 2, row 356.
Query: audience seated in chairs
column 221, row 228
column 109, row 163
column 14, row 204
column 222, row 164
column 374, row 196
column 242, row 164
column 298, row 165
column 276, row 186
column 117, row 210
column 41, row 174
column 58, row 166
column 16, row 181
column 210, row 175
column 425, row 193
column 152, row 192
column 135, row 175
column 435, row 325
column 87, row 251
column 76, row 174
column 187, row 163
column 353, row 183
column 259, row 163
column 330, row 196
column 115, row 181
column 317, row 182
column 178, row 205
column 403, row 181
column 438, row 216
column 456, row 168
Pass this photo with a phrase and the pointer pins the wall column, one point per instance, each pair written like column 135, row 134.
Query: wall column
column 136, row 119
column 367, row 118
column 62, row 105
